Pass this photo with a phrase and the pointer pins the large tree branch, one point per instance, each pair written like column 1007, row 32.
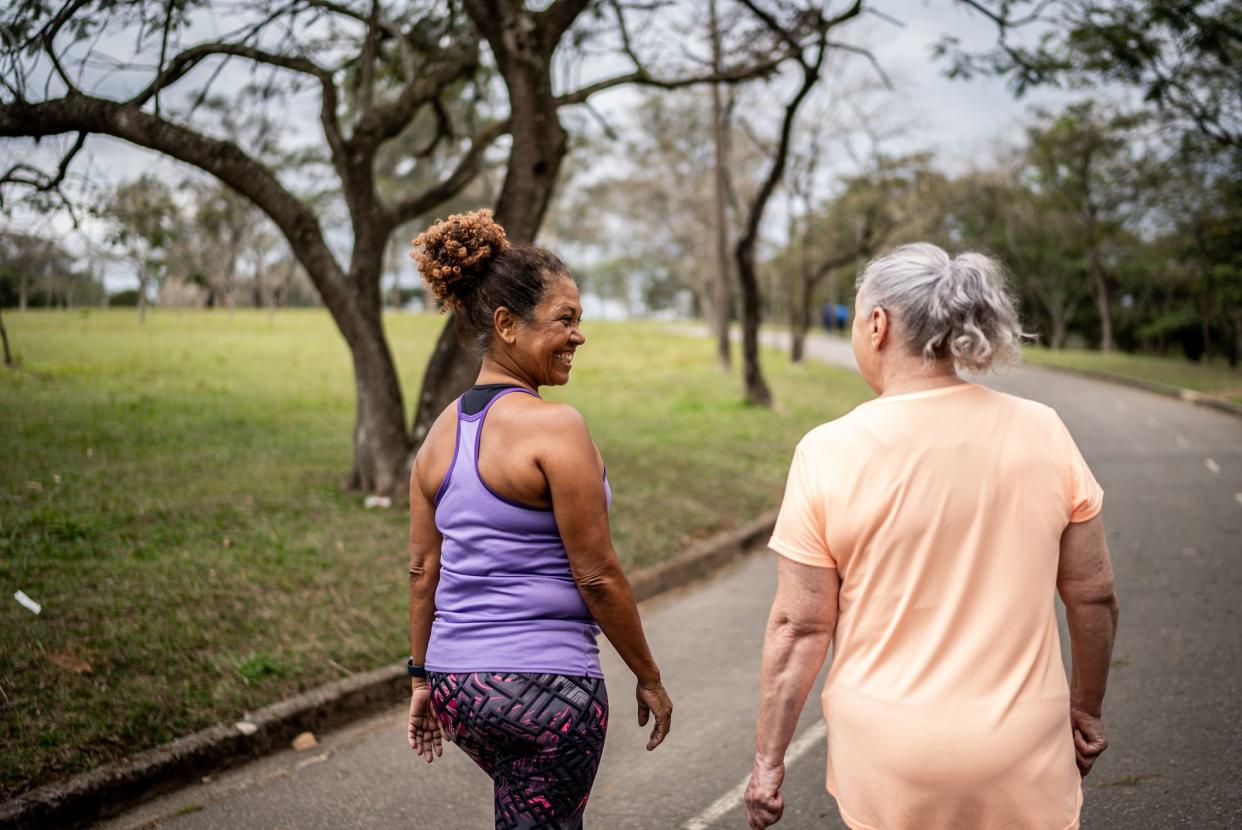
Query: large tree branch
column 556, row 19
column 222, row 159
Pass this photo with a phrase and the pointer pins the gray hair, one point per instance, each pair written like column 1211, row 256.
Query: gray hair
column 944, row 307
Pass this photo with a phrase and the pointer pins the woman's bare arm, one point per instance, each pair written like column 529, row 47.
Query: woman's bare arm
column 424, row 732
column 575, row 479
column 1085, row 583
column 800, row 629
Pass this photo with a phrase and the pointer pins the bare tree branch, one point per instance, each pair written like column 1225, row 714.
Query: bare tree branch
column 185, row 61
column 41, row 182
column 1002, row 20
column 366, row 94
column 462, row 175
column 641, row 77
column 869, row 55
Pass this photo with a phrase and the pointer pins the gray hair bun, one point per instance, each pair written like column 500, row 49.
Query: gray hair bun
column 944, row 307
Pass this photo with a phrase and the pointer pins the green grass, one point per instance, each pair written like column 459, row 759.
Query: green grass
column 1211, row 378
column 171, row 495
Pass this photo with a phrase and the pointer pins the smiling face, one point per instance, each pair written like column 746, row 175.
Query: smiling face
column 544, row 347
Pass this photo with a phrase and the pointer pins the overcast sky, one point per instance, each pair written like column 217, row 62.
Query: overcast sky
column 964, row 122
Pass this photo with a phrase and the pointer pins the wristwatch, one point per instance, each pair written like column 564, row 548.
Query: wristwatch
column 415, row 671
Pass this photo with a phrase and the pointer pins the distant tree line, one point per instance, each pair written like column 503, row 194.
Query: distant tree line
column 36, row 272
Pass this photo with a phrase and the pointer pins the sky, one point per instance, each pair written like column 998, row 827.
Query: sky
column 966, row 123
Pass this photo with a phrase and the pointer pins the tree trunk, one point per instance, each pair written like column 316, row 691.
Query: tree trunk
column 523, row 52
column 380, row 446
column 797, row 336
column 142, row 302
column 723, row 300
column 1206, row 316
column 4, row 336
column 1103, row 306
column 1059, row 327
column 756, row 388
column 1099, row 280
column 800, row 321
column 1235, row 351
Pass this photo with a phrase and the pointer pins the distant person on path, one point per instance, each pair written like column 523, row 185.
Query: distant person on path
column 843, row 317
column 512, row 569
column 922, row 536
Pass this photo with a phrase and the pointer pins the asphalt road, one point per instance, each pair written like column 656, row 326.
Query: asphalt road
column 1172, row 475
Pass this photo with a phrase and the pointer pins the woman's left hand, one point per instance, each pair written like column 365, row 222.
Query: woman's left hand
column 424, row 732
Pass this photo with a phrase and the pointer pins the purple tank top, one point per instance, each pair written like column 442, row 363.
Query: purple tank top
column 507, row 600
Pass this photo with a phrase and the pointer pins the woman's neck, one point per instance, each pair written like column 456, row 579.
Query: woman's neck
column 497, row 371
column 917, row 376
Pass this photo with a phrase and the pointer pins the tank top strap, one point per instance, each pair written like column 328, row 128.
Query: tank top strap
column 464, row 465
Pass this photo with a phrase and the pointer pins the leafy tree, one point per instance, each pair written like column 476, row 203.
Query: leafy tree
column 36, row 271
column 145, row 221
column 1184, row 57
column 1085, row 162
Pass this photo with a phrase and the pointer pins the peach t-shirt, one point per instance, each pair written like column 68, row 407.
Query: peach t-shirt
column 947, row 703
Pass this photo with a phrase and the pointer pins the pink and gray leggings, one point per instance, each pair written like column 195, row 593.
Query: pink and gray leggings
column 539, row 736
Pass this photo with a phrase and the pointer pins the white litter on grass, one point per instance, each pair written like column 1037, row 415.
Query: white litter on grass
column 246, row 727
column 378, row 501
column 28, row 603
column 1211, row 464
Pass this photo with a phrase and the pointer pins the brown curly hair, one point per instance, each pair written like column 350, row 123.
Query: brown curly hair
column 470, row 267
column 454, row 253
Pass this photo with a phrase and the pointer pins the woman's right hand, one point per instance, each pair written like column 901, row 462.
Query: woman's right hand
column 654, row 700
column 424, row 733
column 1089, row 740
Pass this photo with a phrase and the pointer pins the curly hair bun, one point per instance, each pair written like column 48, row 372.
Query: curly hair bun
column 454, row 253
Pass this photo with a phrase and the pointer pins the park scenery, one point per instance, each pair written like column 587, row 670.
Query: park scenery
column 219, row 361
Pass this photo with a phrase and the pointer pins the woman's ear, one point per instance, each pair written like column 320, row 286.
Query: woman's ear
column 878, row 327
column 505, row 324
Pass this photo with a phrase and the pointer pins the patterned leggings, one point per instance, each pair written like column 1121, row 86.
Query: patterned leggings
column 539, row 736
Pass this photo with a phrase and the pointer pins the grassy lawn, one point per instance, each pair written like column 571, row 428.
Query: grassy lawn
column 1212, row 378
column 170, row 494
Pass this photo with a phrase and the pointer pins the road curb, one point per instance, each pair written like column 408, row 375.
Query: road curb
column 115, row 787
column 1188, row 395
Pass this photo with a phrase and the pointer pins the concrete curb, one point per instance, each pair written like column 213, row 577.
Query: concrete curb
column 1189, row 395
column 115, row 787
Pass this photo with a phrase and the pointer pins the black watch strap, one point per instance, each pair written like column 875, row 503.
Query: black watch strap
column 415, row 671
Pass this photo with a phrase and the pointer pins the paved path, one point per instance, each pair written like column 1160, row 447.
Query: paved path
column 1172, row 474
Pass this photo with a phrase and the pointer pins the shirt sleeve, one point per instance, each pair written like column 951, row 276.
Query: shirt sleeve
column 1086, row 497
column 800, row 532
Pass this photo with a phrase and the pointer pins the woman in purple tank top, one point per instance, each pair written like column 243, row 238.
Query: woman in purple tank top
column 512, row 569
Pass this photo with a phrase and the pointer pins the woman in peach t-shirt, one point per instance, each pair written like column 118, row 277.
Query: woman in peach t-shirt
column 923, row 536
